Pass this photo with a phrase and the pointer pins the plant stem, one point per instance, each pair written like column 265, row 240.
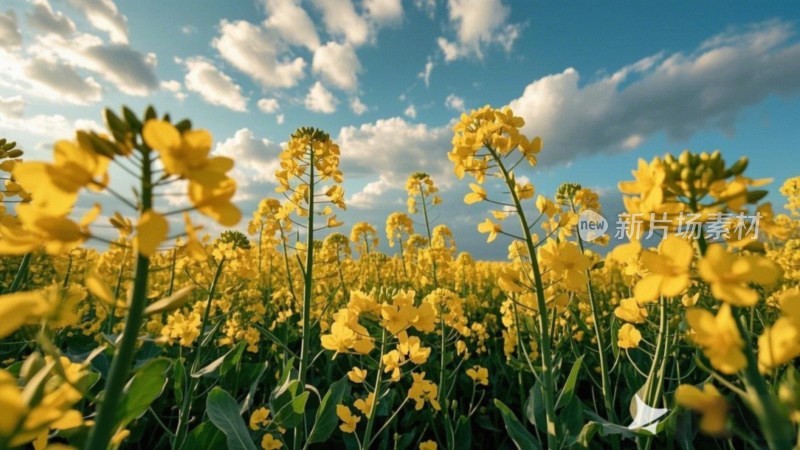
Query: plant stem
column 21, row 273
column 543, row 319
column 101, row 433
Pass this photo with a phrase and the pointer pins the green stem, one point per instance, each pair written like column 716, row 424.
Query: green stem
column 21, row 273
column 101, row 433
column 186, row 406
column 543, row 319
column 371, row 418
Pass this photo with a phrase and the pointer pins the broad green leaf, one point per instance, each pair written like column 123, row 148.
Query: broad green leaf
column 217, row 363
column 205, row 435
column 568, row 391
column 223, row 411
column 179, row 380
column 534, row 408
column 143, row 388
column 463, row 433
column 522, row 438
column 326, row 420
column 233, row 358
column 291, row 414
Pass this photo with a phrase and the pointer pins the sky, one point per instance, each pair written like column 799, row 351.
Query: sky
column 603, row 84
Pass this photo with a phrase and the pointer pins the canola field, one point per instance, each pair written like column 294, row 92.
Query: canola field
column 303, row 333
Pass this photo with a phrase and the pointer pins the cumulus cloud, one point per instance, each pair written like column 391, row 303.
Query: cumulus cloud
column 256, row 52
column 213, row 85
column 337, row 64
column 342, row 20
column 131, row 71
column 60, row 82
column 478, row 24
column 357, row 106
column 393, row 149
column 12, row 107
column 384, row 11
column 44, row 19
column 268, row 105
column 292, row 23
column 10, row 37
column 175, row 87
column 104, row 15
column 454, row 102
column 257, row 160
column 678, row 94
column 320, row 99
column 411, row 111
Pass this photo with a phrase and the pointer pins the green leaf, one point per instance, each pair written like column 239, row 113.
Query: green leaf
column 522, row 438
column 463, row 433
column 291, row 414
column 248, row 399
column 326, row 420
column 233, row 358
column 534, row 408
column 223, row 411
column 179, row 382
column 205, row 435
column 217, row 363
column 568, row 391
column 144, row 387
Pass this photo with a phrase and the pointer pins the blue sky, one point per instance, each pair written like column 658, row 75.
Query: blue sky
column 603, row 83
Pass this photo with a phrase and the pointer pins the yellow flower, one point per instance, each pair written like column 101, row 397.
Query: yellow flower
column 366, row 405
column 729, row 275
column 780, row 343
column 259, row 418
column 423, row 390
column 490, row 227
column 412, row 348
column 428, row 445
column 357, row 375
column 628, row 336
column 707, row 402
column 268, row 442
column 567, row 264
column 719, row 338
column 669, row 270
column 392, row 362
column 479, row 375
column 630, row 311
column 648, row 184
column 349, row 421
column 151, row 230
column 478, row 194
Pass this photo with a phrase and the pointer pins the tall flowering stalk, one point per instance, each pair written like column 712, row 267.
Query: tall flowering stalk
column 310, row 160
column 483, row 144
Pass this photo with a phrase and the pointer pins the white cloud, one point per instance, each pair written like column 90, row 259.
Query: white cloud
column 214, row 86
column 175, row 87
column 384, row 11
column 341, row 19
column 320, row 99
column 268, row 105
column 188, row 30
column 450, row 50
column 131, row 71
column 678, row 94
column 426, row 73
column 256, row 51
column 43, row 18
column 292, row 23
column 59, row 82
column 10, row 37
column 394, row 149
column 279, row 119
column 255, row 162
column 371, row 195
column 357, row 106
column 104, row 15
column 337, row 64
column 478, row 24
column 454, row 102
column 12, row 107
column 411, row 111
